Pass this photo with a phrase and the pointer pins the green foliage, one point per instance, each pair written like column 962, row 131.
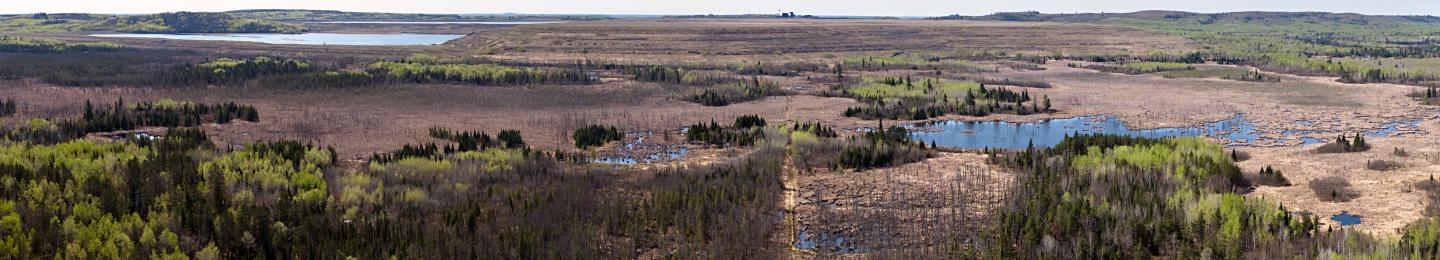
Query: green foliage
column 1130, row 197
column 881, row 148
column 1143, row 67
column 958, row 61
column 1310, row 43
column 116, row 117
column 596, row 135
column 740, row 91
column 253, row 67
column 176, row 22
column 40, row 45
column 744, row 132
column 343, row 16
column 680, row 76
column 902, row 98
column 264, row 174
column 476, row 74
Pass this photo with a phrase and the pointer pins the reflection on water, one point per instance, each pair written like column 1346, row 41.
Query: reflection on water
column 639, row 151
column 1235, row 131
column 806, row 241
column 1048, row 133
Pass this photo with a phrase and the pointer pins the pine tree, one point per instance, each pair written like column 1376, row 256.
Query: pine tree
column 1047, row 102
column 89, row 110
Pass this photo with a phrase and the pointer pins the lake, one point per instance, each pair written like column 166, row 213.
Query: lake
column 305, row 38
column 1048, row 133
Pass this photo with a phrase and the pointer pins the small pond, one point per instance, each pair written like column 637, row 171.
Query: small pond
column 1048, row 133
column 1346, row 219
column 807, row 241
column 304, row 38
column 638, row 151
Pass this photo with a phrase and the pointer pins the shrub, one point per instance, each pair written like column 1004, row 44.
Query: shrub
column 1268, row 176
column 596, row 135
column 1381, row 165
column 1343, row 145
column 1333, row 189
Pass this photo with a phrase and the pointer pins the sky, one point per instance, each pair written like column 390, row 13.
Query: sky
column 816, row 7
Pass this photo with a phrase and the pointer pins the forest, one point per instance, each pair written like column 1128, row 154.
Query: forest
column 1125, row 197
column 755, row 150
column 1106, row 197
column 904, row 98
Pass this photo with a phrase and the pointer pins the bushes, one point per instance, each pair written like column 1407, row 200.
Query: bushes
column 1432, row 194
column 1135, row 68
column 1135, row 198
column 1381, row 165
column 743, row 132
column 1270, row 177
column 881, row 148
column 901, row 98
column 38, row 45
column 1343, row 145
column 596, row 135
column 117, row 117
column 166, row 113
column 475, row 74
column 195, row 22
column 1333, row 189
column 679, row 76
column 465, row 142
column 741, row 91
column 8, row 107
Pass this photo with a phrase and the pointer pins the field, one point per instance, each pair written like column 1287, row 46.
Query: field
column 753, row 138
column 702, row 40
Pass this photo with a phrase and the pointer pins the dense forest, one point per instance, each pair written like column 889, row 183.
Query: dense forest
column 179, row 196
column 1124, row 197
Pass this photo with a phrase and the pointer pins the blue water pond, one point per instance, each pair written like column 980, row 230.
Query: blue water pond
column 1048, row 133
column 1346, row 219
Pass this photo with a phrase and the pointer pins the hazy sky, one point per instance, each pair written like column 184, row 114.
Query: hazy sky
column 823, row 7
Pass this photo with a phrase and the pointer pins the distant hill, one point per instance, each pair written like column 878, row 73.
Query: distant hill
column 292, row 15
column 178, row 22
column 1283, row 17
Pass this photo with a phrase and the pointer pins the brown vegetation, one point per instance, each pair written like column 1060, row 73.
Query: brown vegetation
column 1333, row 188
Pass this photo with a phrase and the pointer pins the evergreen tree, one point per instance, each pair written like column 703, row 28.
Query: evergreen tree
column 1047, row 102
